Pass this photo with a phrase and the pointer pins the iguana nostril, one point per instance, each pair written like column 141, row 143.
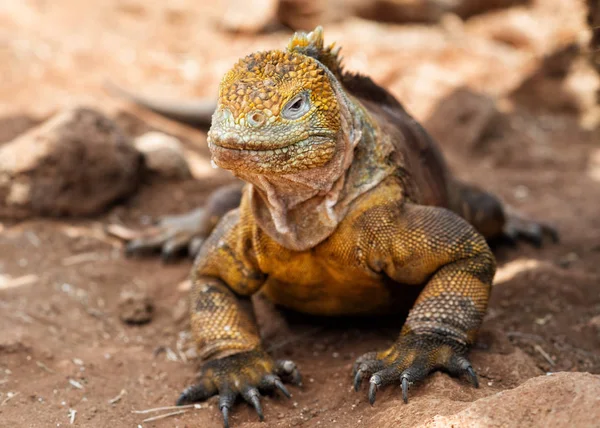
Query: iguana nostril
column 256, row 118
column 222, row 115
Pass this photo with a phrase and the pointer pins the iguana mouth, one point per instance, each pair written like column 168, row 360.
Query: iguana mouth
column 251, row 148
column 235, row 141
column 311, row 152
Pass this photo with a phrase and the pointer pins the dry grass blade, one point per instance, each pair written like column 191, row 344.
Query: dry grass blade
column 166, row 415
column 121, row 232
column 44, row 367
column 72, row 413
column 160, row 409
column 75, row 384
column 8, row 282
column 118, row 397
column 82, row 258
column 544, row 354
column 9, row 397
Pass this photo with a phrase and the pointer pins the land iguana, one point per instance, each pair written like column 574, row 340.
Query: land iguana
column 347, row 207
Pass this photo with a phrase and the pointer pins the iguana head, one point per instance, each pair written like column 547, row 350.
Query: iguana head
column 278, row 111
column 285, row 124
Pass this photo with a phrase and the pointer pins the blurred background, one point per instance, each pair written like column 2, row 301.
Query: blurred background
column 60, row 52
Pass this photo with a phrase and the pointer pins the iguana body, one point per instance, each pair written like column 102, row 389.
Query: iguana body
column 348, row 209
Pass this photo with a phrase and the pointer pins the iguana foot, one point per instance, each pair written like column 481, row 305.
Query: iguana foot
column 172, row 236
column 518, row 227
column 410, row 360
column 242, row 374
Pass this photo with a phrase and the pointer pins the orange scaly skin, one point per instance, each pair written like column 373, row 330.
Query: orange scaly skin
column 348, row 208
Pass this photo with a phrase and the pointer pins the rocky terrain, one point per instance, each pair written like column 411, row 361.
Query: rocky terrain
column 92, row 338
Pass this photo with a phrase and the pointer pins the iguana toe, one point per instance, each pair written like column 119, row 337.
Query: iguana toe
column 171, row 237
column 520, row 228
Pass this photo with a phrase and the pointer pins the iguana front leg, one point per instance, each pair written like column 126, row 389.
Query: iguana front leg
column 224, row 328
column 430, row 245
column 176, row 233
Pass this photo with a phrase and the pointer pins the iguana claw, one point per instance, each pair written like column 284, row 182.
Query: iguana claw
column 410, row 360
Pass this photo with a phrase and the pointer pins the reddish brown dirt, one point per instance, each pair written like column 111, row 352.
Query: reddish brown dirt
column 62, row 344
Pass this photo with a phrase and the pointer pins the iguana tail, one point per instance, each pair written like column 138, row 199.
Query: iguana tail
column 196, row 113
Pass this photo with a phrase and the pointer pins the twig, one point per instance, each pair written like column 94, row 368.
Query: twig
column 75, row 384
column 9, row 396
column 118, row 397
column 166, row 415
column 160, row 409
column 82, row 258
column 18, row 282
column 544, row 354
column 121, row 232
column 44, row 367
column 72, row 413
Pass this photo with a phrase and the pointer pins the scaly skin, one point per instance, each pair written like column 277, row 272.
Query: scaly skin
column 347, row 209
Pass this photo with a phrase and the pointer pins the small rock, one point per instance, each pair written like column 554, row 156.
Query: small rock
column 163, row 154
column 521, row 192
column 135, row 307
column 76, row 163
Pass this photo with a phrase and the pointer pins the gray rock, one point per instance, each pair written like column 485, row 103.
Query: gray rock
column 76, row 163
column 163, row 154
column 135, row 307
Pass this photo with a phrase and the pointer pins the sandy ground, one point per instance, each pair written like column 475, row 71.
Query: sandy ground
column 66, row 357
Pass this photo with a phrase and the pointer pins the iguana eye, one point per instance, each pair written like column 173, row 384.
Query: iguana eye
column 296, row 107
